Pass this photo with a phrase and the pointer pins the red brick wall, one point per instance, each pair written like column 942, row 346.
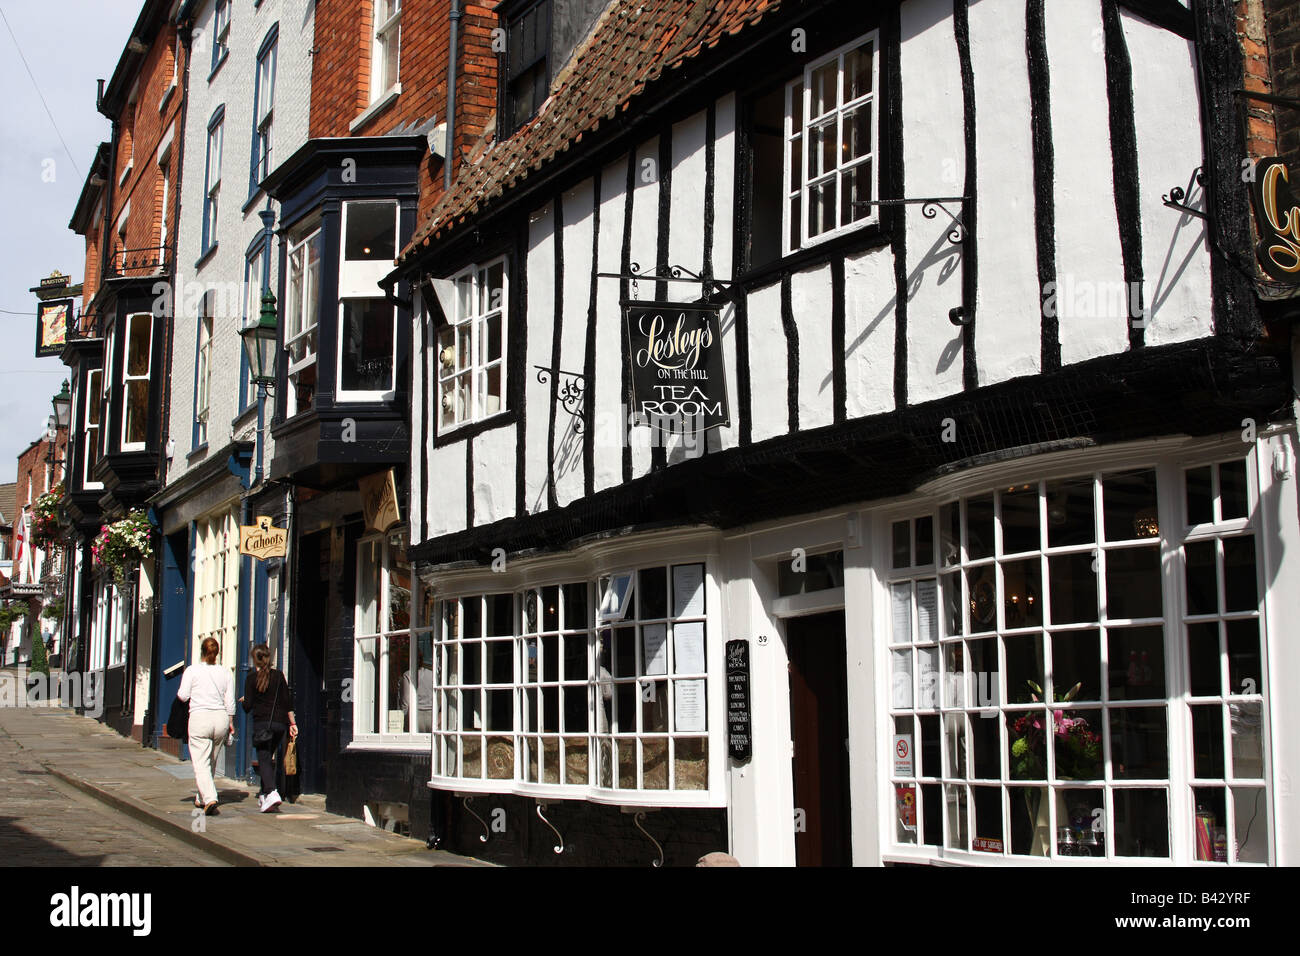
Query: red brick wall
column 341, row 75
column 141, row 126
column 1283, row 18
column 31, row 471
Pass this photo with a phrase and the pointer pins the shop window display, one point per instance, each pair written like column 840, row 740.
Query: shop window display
column 1049, row 694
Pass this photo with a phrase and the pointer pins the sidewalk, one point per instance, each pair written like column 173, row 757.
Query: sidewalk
column 158, row 789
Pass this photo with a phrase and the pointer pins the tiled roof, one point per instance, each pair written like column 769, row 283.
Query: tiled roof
column 633, row 43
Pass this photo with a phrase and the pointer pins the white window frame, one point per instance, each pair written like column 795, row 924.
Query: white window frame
column 119, row 630
column 212, row 196
column 450, row 727
column 264, row 113
column 385, row 33
column 374, row 652
column 94, row 398
column 221, row 32
column 128, row 378
column 1170, row 465
column 359, row 279
column 99, row 624
column 797, row 139
column 462, row 325
column 203, row 383
column 216, row 581
column 302, row 328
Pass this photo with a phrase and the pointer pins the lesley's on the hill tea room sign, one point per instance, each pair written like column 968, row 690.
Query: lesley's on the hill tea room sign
column 675, row 350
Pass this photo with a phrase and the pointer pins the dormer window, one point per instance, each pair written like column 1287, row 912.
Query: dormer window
column 527, row 63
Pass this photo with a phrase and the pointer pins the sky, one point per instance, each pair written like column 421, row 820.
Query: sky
column 68, row 45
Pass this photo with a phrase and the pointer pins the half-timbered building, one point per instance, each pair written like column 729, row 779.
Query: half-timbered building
column 815, row 402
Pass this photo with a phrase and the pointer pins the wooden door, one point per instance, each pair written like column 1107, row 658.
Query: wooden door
column 820, row 728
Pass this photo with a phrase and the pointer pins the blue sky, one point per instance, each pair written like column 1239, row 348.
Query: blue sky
column 68, row 44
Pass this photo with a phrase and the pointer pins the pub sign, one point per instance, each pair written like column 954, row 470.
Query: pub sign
column 678, row 378
column 1277, row 217
column 52, row 326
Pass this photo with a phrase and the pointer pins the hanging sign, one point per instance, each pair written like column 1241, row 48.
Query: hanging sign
column 678, row 382
column 739, row 741
column 379, row 501
column 52, row 326
column 262, row 540
column 1277, row 217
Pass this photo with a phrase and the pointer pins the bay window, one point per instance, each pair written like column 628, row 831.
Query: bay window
column 367, row 322
column 536, row 689
column 302, row 312
column 471, row 347
column 93, row 406
column 1076, row 665
column 137, row 357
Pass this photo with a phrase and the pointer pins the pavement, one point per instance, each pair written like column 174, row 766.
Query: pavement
column 157, row 789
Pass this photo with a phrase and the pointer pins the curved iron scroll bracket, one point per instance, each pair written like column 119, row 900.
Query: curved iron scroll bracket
column 670, row 273
column 570, row 387
column 958, row 235
column 486, row 834
column 559, row 847
column 1175, row 198
column 637, row 820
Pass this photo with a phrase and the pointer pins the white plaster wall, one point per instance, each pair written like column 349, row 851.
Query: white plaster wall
column 810, row 301
column 607, row 391
column 869, row 323
column 934, row 164
column 769, row 369
column 223, row 271
column 419, row 416
column 1090, row 293
column 494, row 475
column 686, row 227
column 645, row 239
column 724, row 185
column 447, row 489
column 1008, row 326
column 1175, row 257
column 579, row 222
column 541, row 320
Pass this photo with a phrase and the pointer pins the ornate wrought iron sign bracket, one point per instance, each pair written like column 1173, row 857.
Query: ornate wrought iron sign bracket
column 670, row 273
column 1176, row 197
column 570, row 387
column 958, row 235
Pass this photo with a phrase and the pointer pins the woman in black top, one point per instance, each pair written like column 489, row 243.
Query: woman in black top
column 270, row 701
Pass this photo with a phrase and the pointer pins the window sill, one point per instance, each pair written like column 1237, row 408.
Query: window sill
column 252, row 199
column 375, row 108
column 552, row 792
column 167, row 95
column 404, row 743
column 245, row 414
column 200, row 452
column 216, row 67
column 867, row 235
column 465, row 430
column 126, row 174
column 202, row 260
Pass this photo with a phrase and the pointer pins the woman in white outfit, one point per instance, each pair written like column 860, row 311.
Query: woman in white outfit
column 211, row 693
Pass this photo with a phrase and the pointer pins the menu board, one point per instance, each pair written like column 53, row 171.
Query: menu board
column 739, row 741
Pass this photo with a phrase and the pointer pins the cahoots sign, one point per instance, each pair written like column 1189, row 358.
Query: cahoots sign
column 678, row 380
column 1277, row 216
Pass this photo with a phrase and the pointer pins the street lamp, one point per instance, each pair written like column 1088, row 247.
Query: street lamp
column 260, row 341
column 62, row 403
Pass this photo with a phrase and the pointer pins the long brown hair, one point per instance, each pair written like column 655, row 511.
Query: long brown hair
column 209, row 649
column 262, row 661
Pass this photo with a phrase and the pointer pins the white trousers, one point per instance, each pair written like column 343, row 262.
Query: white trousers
column 208, row 730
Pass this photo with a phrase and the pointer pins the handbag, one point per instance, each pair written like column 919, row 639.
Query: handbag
column 264, row 737
column 178, row 719
column 291, row 758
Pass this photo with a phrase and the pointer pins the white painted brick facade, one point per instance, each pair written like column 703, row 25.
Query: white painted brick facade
column 232, row 86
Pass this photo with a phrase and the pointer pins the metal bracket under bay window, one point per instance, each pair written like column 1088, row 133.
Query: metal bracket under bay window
column 559, row 847
column 958, row 235
column 570, row 387
column 638, row 817
column 465, row 800
column 669, row 273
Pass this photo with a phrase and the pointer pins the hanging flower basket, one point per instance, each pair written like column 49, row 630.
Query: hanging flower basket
column 45, row 518
column 123, row 544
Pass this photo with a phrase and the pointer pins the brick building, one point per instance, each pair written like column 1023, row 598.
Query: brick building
column 34, row 578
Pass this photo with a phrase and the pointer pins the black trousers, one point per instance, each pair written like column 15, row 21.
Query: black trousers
column 269, row 757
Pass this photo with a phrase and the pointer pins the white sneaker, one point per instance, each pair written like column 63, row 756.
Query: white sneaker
column 270, row 801
column 261, row 799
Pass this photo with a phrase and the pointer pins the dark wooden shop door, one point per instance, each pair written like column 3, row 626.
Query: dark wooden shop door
column 819, row 721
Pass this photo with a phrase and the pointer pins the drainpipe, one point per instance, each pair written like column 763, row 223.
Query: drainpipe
column 454, row 17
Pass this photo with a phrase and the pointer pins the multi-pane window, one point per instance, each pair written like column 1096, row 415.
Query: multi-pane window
column 220, row 33
column 256, row 276
column 830, row 138
column 1047, row 695
column 539, row 687
column 99, row 624
column 216, row 576
column 94, row 403
column 302, row 311
column 384, row 56
column 212, row 180
column 163, row 187
column 137, row 358
column 263, row 104
column 119, row 626
column 393, row 691
column 471, row 347
column 203, row 374
column 367, row 323
column 528, row 48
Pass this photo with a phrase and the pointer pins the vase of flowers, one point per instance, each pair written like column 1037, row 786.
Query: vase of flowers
column 123, row 544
